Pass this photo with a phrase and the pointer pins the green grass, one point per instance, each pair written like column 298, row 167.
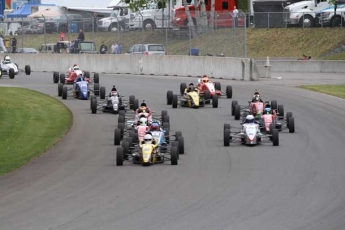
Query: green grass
column 31, row 123
column 273, row 42
column 334, row 90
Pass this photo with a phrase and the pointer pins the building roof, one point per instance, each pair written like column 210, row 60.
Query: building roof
column 25, row 10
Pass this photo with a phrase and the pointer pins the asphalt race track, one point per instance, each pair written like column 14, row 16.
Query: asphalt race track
column 299, row 185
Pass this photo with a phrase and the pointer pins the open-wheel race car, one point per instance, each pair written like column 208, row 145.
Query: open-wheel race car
column 148, row 152
column 80, row 90
column 249, row 134
column 270, row 120
column 114, row 103
column 209, row 88
column 191, row 97
column 72, row 74
column 11, row 69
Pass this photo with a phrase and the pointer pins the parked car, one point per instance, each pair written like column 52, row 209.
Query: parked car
column 81, row 47
column 31, row 29
column 27, row 50
column 149, row 49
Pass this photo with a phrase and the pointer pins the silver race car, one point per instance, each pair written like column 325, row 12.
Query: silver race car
column 11, row 69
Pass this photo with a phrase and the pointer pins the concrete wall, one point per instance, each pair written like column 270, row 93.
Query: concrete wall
column 310, row 66
column 218, row 67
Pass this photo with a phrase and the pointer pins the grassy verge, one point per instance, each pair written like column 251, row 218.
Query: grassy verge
column 334, row 90
column 30, row 124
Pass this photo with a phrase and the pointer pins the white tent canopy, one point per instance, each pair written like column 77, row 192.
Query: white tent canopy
column 46, row 13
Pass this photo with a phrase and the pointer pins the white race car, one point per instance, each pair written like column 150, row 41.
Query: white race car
column 11, row 69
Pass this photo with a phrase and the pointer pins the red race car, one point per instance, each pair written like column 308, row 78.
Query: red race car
column 72, row 74
column 209, row 88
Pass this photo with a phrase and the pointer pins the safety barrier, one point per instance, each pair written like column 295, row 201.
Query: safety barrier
column 170, row 65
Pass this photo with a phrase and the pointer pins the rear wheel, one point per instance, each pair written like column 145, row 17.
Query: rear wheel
column 60, row 88
column 174, row 155
column 217, row 86
column 27, row 70
column 169, row 97
column 96, row 78
column 56, row 77
column 233, row 104
column 117, row 136
column 291, row 124
column 174, row 102
column 166, row 119
column 119, row 156
column 226, row 126
column 64, row 92
column 121, row 119
column 280, row 111
column 93, row 105
column 215, row 101
column 164, row 112
column 274, row 104
column 135, row 104
column 131, row 101
column 183, row 86
column 102, row 92
column 237, row 112
column 207, row 95
column 226, row 137
column 96, row 89
column 180, row 141
column 62, row 78
column 229, row 91
column 275, row 137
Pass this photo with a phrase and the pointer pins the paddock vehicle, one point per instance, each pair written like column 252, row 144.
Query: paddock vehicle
column 254, row 108
column 80, row 90
column 114, row 103
column 192, row 99
column 11, row 69
column 147, row 154
column 72, row 75
column 209, row 88
column 249, row 134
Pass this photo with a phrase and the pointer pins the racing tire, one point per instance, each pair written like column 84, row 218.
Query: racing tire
column 87, row 75
column 121, row 119
column 135, row 104
column 274, row 105
column 166, row 118
column 11, row 73
column 183, row 86
column 56, row 77
column 117, row 136
column 207, row 95
column 180, row 141
column 280, row 111
column 291, row 124
column 275, row 137
column 164, row 113
column 215, row 101
column 237, row 112
column 122, row 113
column 96, row 89
column 178, row 134
column 170, row 95
column 133, row 136
column 131, row 101
column 27, row 69
column 60, row 88
column 174, row 155
column 93, row 97
column 166, row 125
column 96, row 78
column 228, row 91
column 233, row 104
column 121, row 126
column 93, row 105
column 119, row 156
column 174, row 101
column 288, row 114
column 272, row 127
column 102, row 92
column 226, row 137
column 64, row 93
column 226, row 126
column 125, row 146
column 175, row 144
column 218, row 86
column 167, row 135
column 62, row 78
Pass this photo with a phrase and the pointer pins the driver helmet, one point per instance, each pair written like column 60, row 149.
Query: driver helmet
column 7, row 59
column 148, row 139
column 250, row 119
column 142, row 121
column 267, row 110
column 155, row 126
column 75, row 67
column 256, row 97
column 80, row 77
column 205, row 78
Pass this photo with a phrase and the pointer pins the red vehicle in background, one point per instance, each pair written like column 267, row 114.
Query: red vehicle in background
column 72, row 74
column 209, row 88
column 223, row 14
